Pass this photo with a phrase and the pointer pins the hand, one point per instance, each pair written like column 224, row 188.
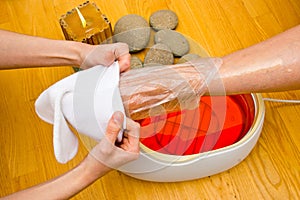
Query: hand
column 110, row 155
column 100, row 160
column 105, row 55
column 176, row 87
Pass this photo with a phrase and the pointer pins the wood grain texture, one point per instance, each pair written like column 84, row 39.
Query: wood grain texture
column 271, row 171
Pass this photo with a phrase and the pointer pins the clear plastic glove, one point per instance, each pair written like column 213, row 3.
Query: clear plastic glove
column 160, row 89
column 113, row 154
column 106, row 54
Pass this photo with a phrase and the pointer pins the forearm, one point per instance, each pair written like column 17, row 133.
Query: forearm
column 270, row 66
column 18, row 50
column 67, row 185
column 104, row 157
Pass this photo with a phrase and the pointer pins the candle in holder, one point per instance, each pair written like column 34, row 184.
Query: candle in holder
column 86, row 24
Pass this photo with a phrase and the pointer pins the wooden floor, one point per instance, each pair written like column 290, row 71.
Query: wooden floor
column 271, row 171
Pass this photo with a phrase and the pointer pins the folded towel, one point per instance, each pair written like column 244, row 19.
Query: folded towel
column 86, row 100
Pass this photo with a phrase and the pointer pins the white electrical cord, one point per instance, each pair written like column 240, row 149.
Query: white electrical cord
column 281, row 100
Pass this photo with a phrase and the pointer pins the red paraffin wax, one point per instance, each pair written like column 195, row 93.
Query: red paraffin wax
column 200, row 130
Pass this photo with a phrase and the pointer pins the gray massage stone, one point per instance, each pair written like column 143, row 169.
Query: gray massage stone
column 135, row 62
column 159, row 54
column 174, row 40
column 133, row 30
column 163, row 19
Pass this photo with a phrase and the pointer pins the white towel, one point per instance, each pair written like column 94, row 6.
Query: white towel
column 87, row 100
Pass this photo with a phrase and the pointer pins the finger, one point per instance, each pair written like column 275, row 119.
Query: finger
column 130, row 146
column 124, row 62
column 127, row 146
column 124, row 146
column 134, row 132
column 114, row 126
column 121, row 49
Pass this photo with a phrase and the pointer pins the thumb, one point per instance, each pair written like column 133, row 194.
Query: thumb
column 114, row 126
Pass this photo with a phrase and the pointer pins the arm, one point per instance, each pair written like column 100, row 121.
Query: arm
column 269, row 66
column 76, row 180
column 95, row 165
column 18, row 50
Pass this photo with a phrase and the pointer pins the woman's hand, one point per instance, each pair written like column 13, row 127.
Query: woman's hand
column 102, row 158
column 105, row 55
column 111, row 154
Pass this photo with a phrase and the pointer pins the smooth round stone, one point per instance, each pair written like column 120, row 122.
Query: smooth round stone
column 173, row 39
column 159, row 54
column 133, row 30
column 188, row 57
column 135, row 62
column 163, row 19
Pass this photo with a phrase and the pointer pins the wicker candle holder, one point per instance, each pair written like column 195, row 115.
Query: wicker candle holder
column 92, row 27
